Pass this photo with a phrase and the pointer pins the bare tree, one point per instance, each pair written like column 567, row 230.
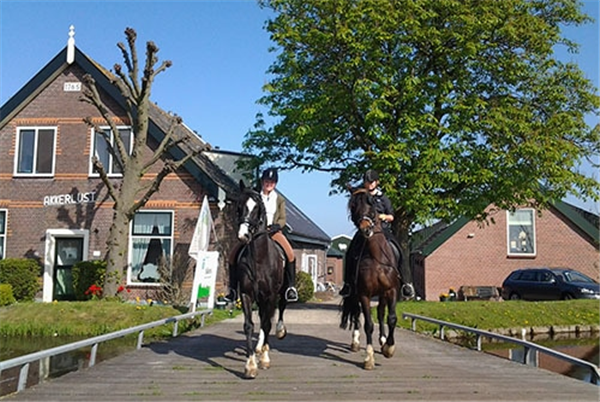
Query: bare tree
column 130, row 193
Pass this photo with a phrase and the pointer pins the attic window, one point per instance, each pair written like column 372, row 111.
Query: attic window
column 105, row 149
column 521, row 232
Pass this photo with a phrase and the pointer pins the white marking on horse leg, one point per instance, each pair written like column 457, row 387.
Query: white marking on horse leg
column 260, row 342
column 355, row 346
column 382, row 340
column 370, row 359
column 280, row 330
column 251, row 367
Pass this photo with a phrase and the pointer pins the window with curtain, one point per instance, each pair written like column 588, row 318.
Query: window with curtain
column 103, row 141
column 151, row 240
column 35, row 151
column 521, row 232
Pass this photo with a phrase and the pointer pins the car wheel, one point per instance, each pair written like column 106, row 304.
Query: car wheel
column 568, row 296
column 514, row 296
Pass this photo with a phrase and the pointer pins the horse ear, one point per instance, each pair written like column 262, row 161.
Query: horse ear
column 242, row 186
column 349, row 188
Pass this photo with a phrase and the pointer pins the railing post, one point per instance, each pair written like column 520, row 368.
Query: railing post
column 175, row 328
column 93, row 353
column 442, row 331
column 140, row 340
column 479, row 342
column 23, row 374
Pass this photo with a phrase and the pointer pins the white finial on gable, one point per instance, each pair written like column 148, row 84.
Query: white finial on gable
column 71, row 45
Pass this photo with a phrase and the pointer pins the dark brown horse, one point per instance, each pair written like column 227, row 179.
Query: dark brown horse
column 259, row 268
column 377, row 276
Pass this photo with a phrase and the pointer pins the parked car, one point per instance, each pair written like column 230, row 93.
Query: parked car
column 549, row 284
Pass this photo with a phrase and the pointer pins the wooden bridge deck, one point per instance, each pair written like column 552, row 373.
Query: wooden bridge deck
column 312, row 363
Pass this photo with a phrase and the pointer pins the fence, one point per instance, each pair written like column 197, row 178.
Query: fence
column 528, row 347
column 26, row 360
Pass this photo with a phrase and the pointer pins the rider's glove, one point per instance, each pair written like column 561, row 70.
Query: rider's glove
column 274, row 228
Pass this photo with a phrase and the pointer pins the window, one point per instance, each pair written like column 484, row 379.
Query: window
column 35, row 151
column 521, row 232
column 3, row 214
column 151, row 238
column 102, row 149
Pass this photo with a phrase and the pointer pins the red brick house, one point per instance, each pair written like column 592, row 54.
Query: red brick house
column 55, row 208
column 466, row 253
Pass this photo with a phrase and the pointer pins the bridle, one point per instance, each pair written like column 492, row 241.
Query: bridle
column 253, row 220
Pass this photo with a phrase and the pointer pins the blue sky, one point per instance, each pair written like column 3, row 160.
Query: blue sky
column 220, row 57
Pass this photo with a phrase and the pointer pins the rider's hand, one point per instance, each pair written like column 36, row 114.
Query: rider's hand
column 274, row 228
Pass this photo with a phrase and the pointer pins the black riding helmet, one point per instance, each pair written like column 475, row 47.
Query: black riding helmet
column 270, row 174
column 371, row 176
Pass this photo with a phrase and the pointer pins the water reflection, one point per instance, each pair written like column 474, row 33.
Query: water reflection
column 584, row 346
column 55, row 366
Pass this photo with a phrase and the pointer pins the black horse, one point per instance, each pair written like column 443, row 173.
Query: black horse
column 259, row 267
column 377, row 276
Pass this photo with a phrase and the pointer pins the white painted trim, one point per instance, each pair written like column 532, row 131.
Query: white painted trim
column 51, row 235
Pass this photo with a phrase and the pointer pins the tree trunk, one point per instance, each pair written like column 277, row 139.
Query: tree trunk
column 116, row 257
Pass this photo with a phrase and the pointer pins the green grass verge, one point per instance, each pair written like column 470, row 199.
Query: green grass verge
column 488, row 315
column 91, row 318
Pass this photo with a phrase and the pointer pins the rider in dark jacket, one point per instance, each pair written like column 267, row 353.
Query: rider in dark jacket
column 384, row 208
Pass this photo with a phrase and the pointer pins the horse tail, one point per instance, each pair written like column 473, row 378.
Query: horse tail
column 350, row 311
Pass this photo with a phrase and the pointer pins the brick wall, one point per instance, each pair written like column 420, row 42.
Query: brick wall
column 477, row 255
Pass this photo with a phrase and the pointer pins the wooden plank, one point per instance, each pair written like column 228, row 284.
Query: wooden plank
column 312, row 363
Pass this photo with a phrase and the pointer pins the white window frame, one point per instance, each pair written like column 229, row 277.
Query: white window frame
column 3, row 230
column 521, row 238
column 109, row 168
column 307, row 261
column 131, row 276
column 18, row 150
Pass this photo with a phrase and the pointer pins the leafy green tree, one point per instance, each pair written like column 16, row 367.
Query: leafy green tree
column 131, row 193
column 457, row 103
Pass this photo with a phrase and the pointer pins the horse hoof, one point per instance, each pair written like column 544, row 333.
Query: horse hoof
column 355, row 347
column 369, row 365
column 281, row 333
column 251, row 374
column 265, row 365
column 388, row 350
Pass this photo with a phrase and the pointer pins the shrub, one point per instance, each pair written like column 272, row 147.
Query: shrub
column 305, row 286
column 21, row 274
column 6, row 294
column 86, row 274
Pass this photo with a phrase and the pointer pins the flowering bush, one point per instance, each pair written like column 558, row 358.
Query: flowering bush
column 94, row 291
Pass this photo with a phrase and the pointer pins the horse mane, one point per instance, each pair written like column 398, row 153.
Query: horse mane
column 249, row 192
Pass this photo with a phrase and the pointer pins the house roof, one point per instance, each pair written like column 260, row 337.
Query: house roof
column 299, row 227
column 427, row 240
column 213, row 168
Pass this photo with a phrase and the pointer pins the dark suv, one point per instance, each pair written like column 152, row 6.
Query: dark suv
column 549, row 284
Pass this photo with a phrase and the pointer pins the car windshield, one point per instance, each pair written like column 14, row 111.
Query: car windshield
column 573, row 276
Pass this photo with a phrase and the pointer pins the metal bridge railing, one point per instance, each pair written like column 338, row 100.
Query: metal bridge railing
column 26, row 360
column 528, row 347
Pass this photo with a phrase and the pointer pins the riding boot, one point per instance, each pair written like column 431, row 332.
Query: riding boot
column 291, row 294
column 407, row 291
column 349, row 278
column 232, row 295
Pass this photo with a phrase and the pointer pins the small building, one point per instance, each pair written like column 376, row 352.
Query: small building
column 55, row 208
column 469, row 253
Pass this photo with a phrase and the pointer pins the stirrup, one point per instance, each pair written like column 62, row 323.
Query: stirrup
column 231, row 297
column 408, row 291
column 291, row 294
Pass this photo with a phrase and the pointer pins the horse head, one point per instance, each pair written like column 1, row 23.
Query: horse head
column 362, row 212
column 251, row 214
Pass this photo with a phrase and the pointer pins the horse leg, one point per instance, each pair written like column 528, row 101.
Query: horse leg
column 355, row 345
column 381, row 319
column 251, row 368
column 365, row 303
column 389, row 347
column 266, row 312
column 280, row 329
